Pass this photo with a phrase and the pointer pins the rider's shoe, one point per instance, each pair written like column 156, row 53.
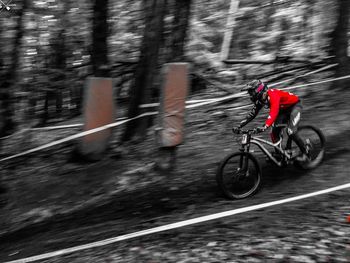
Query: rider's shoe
column 302, row 158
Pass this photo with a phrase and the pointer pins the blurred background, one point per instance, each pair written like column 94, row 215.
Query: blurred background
column 49, row 48
column 50, row 200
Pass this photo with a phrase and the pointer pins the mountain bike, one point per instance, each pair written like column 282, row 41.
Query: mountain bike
column 239, row 174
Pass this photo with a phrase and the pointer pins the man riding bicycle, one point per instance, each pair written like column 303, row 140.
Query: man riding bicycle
column 285, row 107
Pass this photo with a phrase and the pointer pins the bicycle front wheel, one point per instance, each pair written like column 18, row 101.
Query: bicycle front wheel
column 239, row 175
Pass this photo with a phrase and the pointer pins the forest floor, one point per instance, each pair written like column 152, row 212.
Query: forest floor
column 49, row 187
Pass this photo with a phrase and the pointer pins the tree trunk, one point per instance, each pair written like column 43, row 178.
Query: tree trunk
column 225, row 48
column 2, row 91
column 315, row 22
column 61, row 59
column 339, row 41
column 99, row 56
column 10, row 76
column 179, row 31
column 17, row 41
column 307, row 27
column 270, row 10
column 182, row 8
column 57, row 66
column 147, row 66
column 282, row 38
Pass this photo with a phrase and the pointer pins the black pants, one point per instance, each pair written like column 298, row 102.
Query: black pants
column 291, row 117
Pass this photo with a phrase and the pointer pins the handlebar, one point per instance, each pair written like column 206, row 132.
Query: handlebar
column 246, row 131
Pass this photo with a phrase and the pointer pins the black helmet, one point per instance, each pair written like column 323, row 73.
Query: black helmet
column 256, row 88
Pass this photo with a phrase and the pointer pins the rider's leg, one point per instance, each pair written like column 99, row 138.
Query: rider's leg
column 275, row 134
column 276, row 131
column 292, row 128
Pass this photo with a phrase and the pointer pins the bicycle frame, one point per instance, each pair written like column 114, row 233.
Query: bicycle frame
column 239, row 174
column 260, row 143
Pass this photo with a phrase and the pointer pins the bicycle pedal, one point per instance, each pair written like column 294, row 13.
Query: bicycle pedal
column 302, row 158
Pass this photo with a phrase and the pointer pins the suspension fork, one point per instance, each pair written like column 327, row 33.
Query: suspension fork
column 243, row 161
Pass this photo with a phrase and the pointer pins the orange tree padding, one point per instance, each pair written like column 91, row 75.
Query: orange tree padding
column 172, row 106
column 98, row 111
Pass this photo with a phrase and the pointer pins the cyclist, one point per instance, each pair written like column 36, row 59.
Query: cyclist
column 285, row 107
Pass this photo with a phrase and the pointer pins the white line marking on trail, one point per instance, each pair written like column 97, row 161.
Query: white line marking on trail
column 76, row 136
column 176, row 225
column 77, row 125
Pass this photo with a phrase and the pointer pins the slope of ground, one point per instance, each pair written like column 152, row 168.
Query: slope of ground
column 48, row 191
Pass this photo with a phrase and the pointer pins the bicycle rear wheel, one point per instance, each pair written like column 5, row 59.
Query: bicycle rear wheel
column 314, row 140
column 238, row 175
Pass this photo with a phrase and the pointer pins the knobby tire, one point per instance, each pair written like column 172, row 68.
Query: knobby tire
column 254, row 174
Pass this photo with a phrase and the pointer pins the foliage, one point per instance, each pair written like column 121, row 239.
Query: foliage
column 264, row 30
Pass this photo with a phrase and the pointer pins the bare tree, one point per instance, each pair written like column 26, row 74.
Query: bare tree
column 182, row 11
column 270, row 10
column 99, row 54
column 147, row 66
column 225, row 48
column 57, row 65
column 10, row 74
column 339, row 39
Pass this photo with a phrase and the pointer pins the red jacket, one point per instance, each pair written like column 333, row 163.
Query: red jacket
column 279, row 99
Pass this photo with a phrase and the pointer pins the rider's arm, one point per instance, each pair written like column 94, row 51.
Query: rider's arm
column 274, row 108
column 251, row 115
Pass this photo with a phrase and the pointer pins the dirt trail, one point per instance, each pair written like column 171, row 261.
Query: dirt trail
column 89, row 201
